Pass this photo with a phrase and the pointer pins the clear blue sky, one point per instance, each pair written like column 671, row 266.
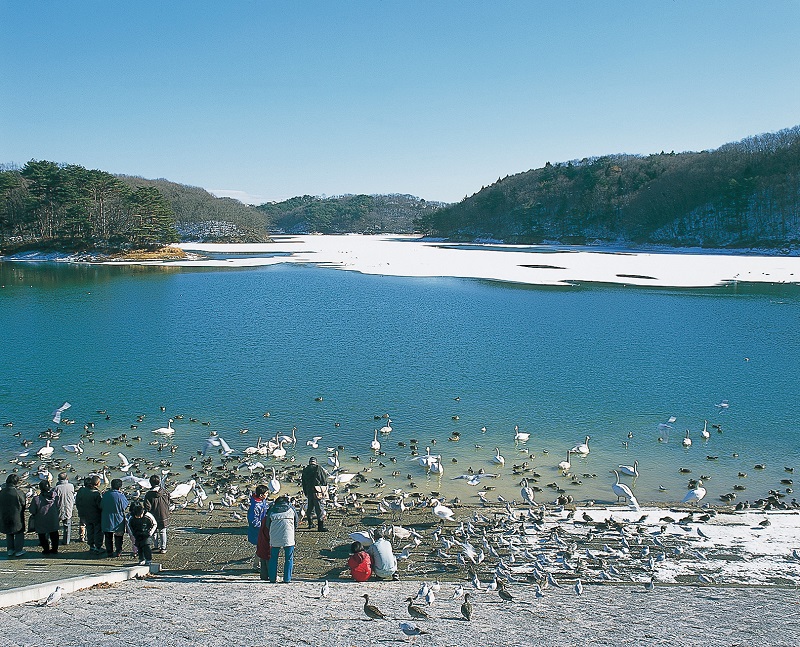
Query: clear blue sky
column 430, row 97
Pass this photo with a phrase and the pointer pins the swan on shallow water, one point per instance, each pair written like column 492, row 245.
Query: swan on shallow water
column 581, row 448
column 520, row 436
column 565, row 464
column 497, row 459
column 375, row 445
column 686, row 440
column 705, row 433
column 630, row 470
column 165, row 431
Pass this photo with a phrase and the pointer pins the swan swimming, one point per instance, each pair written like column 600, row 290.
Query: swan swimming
column 581, row 448
column 497, row 458
column 686, row 440
column 565, row 465
column 630, row 470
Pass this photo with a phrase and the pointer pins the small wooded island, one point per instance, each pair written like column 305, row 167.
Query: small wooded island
column 741, row 195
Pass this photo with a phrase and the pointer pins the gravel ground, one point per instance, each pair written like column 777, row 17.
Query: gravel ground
column 240, row 610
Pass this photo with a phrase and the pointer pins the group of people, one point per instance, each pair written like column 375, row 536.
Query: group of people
column 104, row 517
column 271, row 527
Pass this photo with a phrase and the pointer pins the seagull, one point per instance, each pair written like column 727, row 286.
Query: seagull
column 314, row 442
column 578, row 586
column 326, row 589
column 125, row 465
column 373, row 612
column 466, row 608
column 722, row 405
column 53, row 598
column 458, row 592
column 411, row 630
column 57, row 413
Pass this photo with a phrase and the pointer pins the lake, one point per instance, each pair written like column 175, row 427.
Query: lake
column 318, row 347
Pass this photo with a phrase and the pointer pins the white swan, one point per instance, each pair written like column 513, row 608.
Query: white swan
column 520, row 436
column 387, row 428
column 165, row 431
column 279, row 451
column 375, row 445
column 46, row 451
column 427, row 460
column 581, row 448
column 274, row 485
column 565, row 465
column 686, row 440
column 74, row 449
column 290, row 439
column 436, row 467
column 696, row 495
column 442, row 511
column 526, row 492
column 343, row 477
column 334, row 460
column 630, row 470
column 705, row 433
column 497, row 459
column 624, row 492
column 182, row 489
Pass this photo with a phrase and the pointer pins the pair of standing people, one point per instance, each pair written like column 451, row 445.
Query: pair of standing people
column 270, row 528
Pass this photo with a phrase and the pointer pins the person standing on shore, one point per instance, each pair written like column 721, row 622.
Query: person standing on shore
column 87, row 500
column 282, row 521
column 255, row 517
column 157, row 503
column 12, row 516
column 65, row 498
column 314, row 480
column 143, row 526
column 112, row 517
column 384, row 563
column 44, row 518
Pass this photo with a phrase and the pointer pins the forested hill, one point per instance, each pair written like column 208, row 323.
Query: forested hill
column 744, row 194
column 366, row 214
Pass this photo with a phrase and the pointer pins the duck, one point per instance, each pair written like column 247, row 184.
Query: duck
column 371, row 611
column 466, row 608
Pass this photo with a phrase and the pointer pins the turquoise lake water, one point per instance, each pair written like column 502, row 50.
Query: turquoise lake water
column 225, row 346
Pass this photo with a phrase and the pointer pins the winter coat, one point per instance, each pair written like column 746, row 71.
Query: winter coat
column 157, row 502
column 44, row 513
column 384, row 563
column 87, row 500
column 65, row 497
column 262, row 548
column 282, row 520
column 312, row 476
column 255, row 514
column 112, row 515
column 12, row 510
column 360, row 565
column 143, row 528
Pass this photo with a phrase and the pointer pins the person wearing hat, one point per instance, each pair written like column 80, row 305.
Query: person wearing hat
column 314, row 480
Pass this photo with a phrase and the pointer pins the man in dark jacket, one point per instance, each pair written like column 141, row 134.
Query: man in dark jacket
column 312, row 478
column 87, row 500
column 12, row 516
column 157, row 503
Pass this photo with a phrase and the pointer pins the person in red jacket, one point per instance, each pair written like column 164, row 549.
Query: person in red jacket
column 360, row 563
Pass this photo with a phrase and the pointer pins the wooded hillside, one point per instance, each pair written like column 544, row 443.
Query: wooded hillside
column 745, row 194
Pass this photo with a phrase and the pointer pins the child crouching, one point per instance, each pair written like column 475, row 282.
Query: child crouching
column 142, row 526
